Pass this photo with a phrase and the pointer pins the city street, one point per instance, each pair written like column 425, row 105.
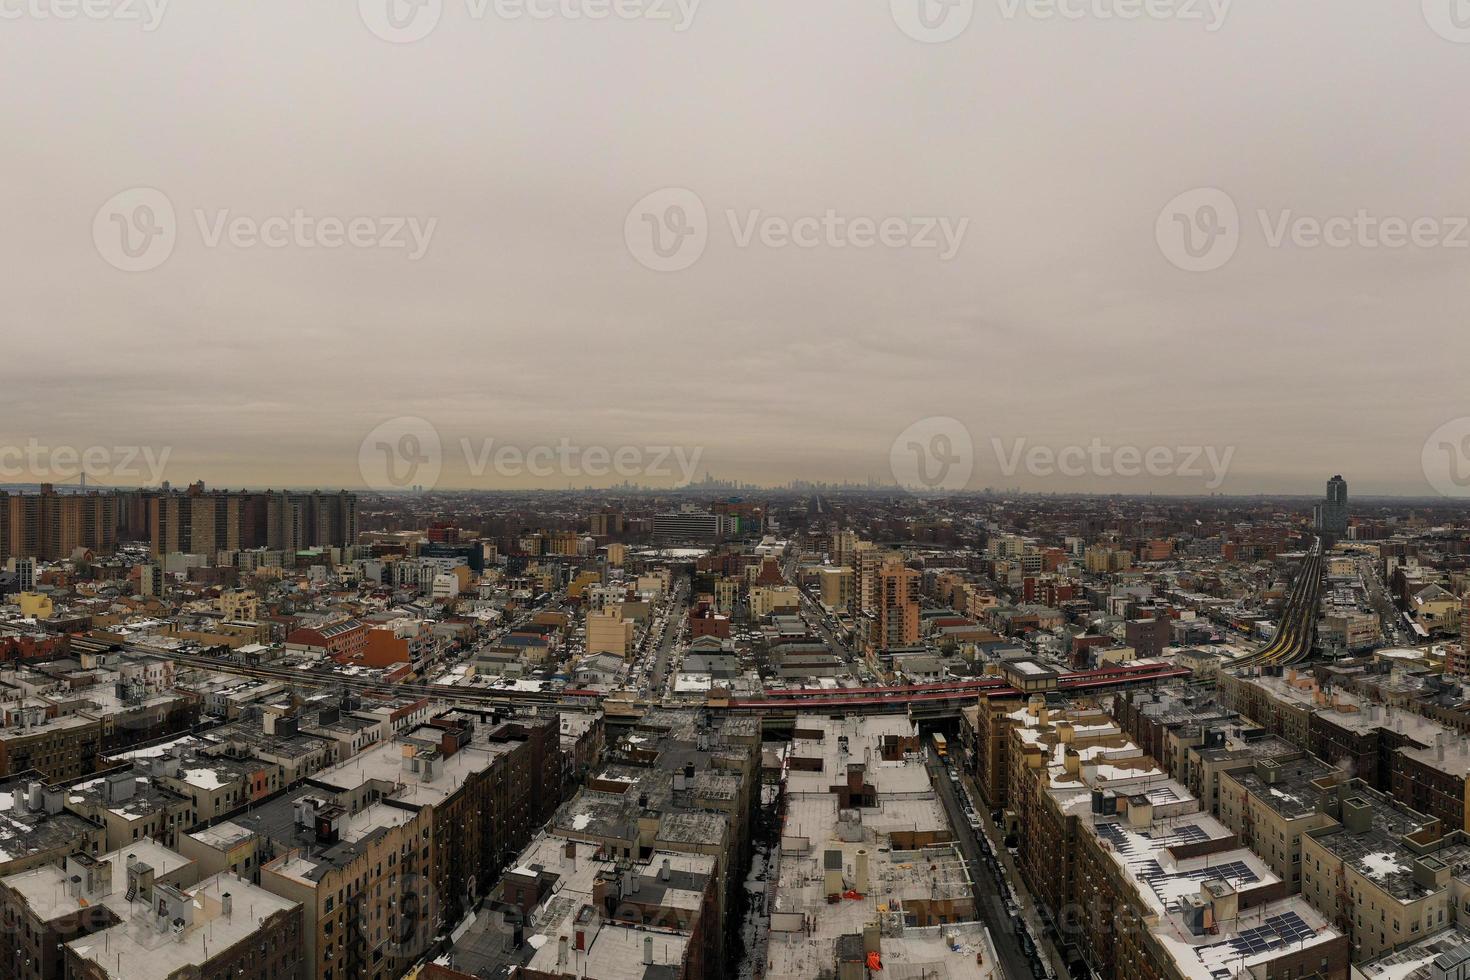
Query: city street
column 1394, row 630
column 666, row 645
column 988, row 898
column 816, row 618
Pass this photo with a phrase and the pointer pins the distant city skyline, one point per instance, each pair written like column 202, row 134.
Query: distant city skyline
column 712, row 483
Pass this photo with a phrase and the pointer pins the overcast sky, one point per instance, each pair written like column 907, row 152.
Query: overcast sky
column 1049, row 149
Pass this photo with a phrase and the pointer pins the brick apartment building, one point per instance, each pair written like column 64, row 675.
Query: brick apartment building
column 344, row 642
column 491, row 782
column 1149, row 637
column 50, row 525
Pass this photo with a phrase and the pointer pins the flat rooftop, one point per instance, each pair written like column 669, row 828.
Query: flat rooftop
column 616, row 949
column 1415, row 961
column 384, row 764
column 818, row 836
column 44, row 889
column 276, row 821
column 935, row 952
column 22, row 835
column 223, row 836
column 1292, row 796
column 147, row 798
column 136, row 950
column 1378, row 853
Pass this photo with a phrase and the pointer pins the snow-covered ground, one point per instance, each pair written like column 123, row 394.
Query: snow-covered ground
column 755, row 931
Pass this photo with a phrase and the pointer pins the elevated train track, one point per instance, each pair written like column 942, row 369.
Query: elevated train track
column 940, row 697
column 1297, row 632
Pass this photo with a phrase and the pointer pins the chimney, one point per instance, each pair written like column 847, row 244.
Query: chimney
column 861, row 879
column 663, row 872
column 1431, row 873
column 1357, row 815
column 226, row 904
column 648, row 951
column 561, row 951
column 120, row 787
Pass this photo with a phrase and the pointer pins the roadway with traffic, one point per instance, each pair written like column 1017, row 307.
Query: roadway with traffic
column 994, row 901
column 673, row 628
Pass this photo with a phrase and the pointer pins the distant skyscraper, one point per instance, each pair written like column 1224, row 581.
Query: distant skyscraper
column 1332, row 513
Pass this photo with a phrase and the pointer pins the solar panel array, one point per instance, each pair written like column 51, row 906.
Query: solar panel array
column 1291, row 927
column 1187, row 834
column 1236, row 872
column 1279, row 930
column 1184, row 834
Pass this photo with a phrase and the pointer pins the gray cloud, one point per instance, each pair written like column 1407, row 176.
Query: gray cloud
column 529, row 320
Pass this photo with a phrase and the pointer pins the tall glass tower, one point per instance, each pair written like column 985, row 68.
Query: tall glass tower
column 1334, row 512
